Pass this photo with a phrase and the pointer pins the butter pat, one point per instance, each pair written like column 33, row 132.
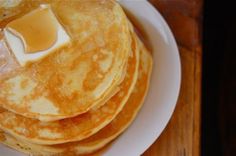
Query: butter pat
column 35, row 35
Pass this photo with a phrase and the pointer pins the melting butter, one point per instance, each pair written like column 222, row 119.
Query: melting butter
column 38, row 30
column 35, row 35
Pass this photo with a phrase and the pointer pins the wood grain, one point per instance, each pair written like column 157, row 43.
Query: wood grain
column 181, row 137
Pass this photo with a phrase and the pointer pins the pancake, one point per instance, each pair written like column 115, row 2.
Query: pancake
column 108, row 133
column 74, row 78
column 79, row 127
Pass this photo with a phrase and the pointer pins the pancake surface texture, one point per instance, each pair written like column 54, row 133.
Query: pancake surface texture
column 108, row 133
column 76, row 77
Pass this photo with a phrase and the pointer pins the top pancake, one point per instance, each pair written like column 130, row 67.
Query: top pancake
column 81, row 126
column 75, row 78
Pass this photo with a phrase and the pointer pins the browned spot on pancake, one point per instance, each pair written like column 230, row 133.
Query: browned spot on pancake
column 1, row 111
column 24, row 83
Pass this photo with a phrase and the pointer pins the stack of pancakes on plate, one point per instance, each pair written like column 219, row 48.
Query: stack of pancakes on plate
column 78, row 97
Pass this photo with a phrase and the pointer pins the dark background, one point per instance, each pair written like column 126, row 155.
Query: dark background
column 219, row 79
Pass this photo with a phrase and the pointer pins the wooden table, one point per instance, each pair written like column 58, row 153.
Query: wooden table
column 181, row 137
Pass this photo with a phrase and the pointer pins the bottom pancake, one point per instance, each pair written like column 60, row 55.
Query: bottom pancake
column 104, row 136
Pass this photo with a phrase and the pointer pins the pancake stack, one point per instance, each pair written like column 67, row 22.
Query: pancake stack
column 81, row 96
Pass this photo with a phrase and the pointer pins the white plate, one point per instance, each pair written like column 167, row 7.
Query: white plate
column 164, row 87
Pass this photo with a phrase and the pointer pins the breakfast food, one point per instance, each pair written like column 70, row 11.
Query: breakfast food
column 80, row 75
column 76, row 85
